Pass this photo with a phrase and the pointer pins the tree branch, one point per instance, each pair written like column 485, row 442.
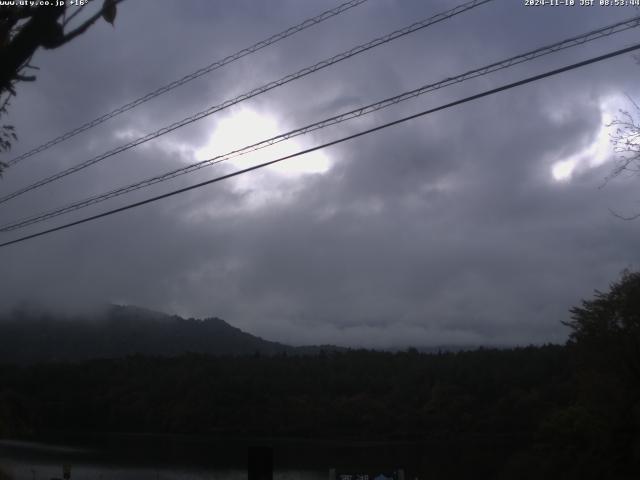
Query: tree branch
column 25, row 78
column 71, row 17
column 81, row 28
column 622, row 217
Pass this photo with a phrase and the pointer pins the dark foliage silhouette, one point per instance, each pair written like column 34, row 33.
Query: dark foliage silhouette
column 24, row 28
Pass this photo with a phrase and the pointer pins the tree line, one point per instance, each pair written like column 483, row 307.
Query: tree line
column 572, row 409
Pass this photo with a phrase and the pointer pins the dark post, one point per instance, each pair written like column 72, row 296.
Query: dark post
column 260, row 463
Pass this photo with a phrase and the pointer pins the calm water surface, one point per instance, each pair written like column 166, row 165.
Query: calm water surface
column 149, row 457
column 154, row 457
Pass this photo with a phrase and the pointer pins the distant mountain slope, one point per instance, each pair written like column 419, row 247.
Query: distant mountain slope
column 30, row 335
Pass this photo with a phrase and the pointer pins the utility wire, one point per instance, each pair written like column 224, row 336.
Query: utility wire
column 310, row 22
column 265, row 88
column 486, row 93
column 509, row 62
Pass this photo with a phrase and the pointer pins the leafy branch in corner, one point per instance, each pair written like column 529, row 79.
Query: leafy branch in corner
column 626, row 145
column 23, row 30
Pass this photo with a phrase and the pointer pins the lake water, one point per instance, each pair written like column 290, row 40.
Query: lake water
column 151, row 457
column 154, row 457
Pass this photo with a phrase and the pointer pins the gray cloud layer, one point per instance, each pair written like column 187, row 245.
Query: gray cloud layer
column 446, row 230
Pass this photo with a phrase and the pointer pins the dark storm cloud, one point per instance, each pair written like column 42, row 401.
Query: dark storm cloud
column 445, row 230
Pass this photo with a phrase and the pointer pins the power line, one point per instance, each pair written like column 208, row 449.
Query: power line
column 310, row 22
column 265, row 88
column 486, row 93
column 515, row 60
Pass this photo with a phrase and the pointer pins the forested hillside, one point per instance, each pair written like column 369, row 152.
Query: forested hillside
column 29, row 335
column 538, row 412
column 528, row 403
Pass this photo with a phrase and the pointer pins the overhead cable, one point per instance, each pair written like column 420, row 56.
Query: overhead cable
column 310, row 22
column 486, row 93
column 509, row 62
column 257, row 91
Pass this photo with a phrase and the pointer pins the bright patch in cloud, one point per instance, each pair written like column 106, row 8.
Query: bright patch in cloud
column 600, row 149
column 563, row 170
column 245, row 127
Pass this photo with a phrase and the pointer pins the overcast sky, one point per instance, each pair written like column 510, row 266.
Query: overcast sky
column 481, row 224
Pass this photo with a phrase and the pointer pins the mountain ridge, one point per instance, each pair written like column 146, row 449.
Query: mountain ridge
column 32, row 335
